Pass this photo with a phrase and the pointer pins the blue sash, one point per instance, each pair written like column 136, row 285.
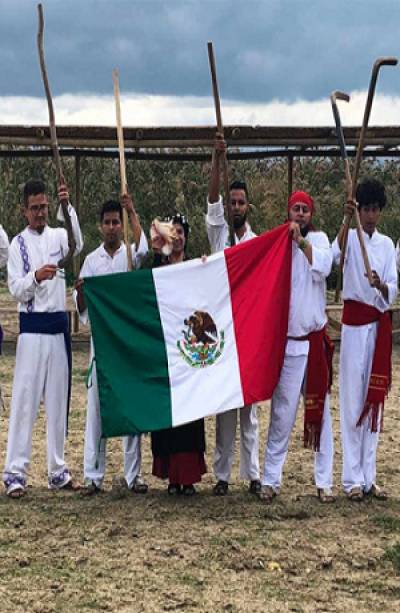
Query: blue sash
column 50, row 323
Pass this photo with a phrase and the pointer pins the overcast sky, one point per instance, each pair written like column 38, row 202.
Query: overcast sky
column 277, row 60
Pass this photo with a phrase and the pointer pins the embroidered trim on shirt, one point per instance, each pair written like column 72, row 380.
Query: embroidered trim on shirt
column 26, row 266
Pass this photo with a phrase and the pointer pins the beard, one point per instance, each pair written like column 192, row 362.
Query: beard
column 239, row 221
column 305, row 230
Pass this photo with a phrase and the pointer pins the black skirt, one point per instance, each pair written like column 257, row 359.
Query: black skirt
column 186, row 438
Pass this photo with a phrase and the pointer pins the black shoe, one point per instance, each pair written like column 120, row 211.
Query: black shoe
column 221, row 488
column 174, row 489
column 188, row 490
column 255, row 487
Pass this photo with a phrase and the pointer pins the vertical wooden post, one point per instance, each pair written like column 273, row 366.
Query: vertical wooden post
column 290, row 174
column 77, row 259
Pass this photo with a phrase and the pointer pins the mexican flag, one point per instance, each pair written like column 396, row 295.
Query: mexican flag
column 181, row 342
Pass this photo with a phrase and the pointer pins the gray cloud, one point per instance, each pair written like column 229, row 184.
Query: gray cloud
column 266, row 49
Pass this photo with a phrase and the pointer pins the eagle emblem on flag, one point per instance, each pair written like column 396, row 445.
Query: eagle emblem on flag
column 202, row 343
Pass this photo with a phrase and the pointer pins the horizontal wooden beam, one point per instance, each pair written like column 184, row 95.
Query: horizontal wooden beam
column 195, row 137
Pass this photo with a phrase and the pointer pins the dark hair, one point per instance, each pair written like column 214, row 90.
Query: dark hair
column 181, row 220
column 111, row 206
column 239, row 185
column 371, row 191
column 33, row 187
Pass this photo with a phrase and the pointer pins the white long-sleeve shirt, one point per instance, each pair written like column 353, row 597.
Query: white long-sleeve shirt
column 398, row 255
column 4, row 246
column 218, row 229
column 99, row 262
column 382, row 258
column 41, row 249
column 308, row 291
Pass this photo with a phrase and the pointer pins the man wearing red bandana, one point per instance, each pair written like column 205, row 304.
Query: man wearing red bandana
column 307, row 367
column 366, row 343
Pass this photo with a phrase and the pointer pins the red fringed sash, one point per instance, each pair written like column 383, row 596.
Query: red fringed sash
column 359, row 314
column 318, row 384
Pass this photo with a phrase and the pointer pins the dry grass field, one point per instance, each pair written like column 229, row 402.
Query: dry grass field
column 124, row 552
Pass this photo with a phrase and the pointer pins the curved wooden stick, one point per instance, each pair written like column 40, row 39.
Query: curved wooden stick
column 382, row 61
column 220, row 129
column 337, row 95
column 122, row 165
column 54, row 143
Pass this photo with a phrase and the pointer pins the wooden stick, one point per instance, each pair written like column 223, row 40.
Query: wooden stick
column 54, row 143
column 220, row 129
column 337, row 95
column 382, row 61
column 122, row 166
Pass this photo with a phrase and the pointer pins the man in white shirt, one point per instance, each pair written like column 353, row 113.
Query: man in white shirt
column 109, row 258
column 218, row 236
column 307, row 367
column 43, row 358
column 366, row 341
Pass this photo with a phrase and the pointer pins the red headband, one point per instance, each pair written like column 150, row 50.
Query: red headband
column 302, row 197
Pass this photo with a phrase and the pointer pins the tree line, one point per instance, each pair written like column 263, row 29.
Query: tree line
column 160, row 188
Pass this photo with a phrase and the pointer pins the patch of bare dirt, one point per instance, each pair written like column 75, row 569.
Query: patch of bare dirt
column 124, row 552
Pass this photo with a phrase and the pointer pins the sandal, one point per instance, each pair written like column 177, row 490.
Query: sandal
column 267, row 494
column 139, row 486
column 71, row 486
column 188, row 490
column 174, row 489
column 255, row 486
column 325, row 495
column 16, row 492
column 15, row 486
column 91, row 489
column 377, row 492
column 221, row 488
column 355, row 493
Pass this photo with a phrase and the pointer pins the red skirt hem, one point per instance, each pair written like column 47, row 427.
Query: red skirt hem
column 183, row 468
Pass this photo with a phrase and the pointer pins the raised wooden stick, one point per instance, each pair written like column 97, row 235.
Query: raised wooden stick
column 122, row 166
column 54, row 143
column 337, row 95
column 382, row 61
column 220, row 129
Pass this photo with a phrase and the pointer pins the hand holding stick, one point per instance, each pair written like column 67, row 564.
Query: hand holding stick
column 220, row 129
column 337, row 95
column 122, row 166
column 54, row 143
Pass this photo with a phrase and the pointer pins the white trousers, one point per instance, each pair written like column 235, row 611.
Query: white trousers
column 284, row 405
column 41, row 372
column 225, row 443
column 359, row 443
column 94, row 461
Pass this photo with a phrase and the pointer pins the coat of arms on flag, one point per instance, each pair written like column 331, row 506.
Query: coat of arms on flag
column 202, row 344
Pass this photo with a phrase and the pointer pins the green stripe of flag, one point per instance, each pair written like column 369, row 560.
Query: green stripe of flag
column 130, row 353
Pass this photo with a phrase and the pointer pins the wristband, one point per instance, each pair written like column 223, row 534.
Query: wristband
column 302, row 244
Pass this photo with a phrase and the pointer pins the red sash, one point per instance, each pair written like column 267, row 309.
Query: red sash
column 318, row 384
column 359, row 314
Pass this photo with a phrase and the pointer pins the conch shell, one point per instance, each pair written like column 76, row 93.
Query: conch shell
column 162, row 233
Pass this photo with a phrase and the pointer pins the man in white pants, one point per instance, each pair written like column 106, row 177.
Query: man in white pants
column 308, row 357
column 218, row 236
column 110, row 257
column 42, row 367
column 366, row 341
